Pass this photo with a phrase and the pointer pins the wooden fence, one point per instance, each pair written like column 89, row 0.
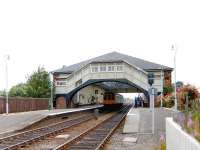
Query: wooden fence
column 23, row 104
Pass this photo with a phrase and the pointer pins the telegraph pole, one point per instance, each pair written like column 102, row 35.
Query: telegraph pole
column 161, row 80
column 52, row 92
column 7, row 58
column 175, row 95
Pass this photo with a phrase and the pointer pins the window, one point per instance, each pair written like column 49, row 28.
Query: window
column 94, row 68
column 111, row 68
column 167, row 78
column 102, row 68
column 61, row 83
column 119, row 68
column 96, row 92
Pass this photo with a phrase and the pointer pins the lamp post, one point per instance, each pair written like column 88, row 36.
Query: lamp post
column 7, row 58
column 175, row 95
column 161, row 80
column 52, row 92
column 152, row 92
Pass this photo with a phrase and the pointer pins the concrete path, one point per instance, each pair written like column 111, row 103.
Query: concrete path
column 17, row 121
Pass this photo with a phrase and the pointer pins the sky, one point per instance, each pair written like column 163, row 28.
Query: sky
column 52, row 33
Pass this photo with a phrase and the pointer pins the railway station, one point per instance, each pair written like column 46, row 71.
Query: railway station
column 99, row 75
column 100, row 79
column 89, row 110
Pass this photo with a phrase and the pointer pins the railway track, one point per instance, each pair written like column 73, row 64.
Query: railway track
column 95, row 137
column 21, row 139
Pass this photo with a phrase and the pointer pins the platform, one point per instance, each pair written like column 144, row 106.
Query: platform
column 132, row 121
column 17, row 121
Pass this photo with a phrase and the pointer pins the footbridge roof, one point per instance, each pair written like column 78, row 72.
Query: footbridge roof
column 114, row 57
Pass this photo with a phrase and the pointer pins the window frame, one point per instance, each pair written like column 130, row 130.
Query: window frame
column 119, row 66
column 94, row 69
column 102, row 66
column 111, row 67
column 96, row 92
column 60, row 83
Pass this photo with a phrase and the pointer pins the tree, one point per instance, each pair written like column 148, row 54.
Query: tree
column 3, row 93
column 179, row 84
column 39, row 84
column 189, row 91
column 18, row 90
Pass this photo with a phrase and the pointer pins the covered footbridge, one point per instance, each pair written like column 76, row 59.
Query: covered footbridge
column 129, row 74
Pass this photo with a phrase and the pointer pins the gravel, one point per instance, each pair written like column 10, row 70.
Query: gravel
column 54, row 141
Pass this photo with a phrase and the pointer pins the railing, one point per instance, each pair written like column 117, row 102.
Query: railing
column 177, row 139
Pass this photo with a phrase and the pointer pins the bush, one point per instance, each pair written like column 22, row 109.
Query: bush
column 18, row 90
column 163, row 146
column 168, row 104
column 167, row 90
column 168, row 101
column 189, row 120
column 188, row 91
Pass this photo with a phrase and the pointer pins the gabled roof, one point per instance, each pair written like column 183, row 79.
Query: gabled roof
column 114, row 57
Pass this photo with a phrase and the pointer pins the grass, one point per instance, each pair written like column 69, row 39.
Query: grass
column 162, row 147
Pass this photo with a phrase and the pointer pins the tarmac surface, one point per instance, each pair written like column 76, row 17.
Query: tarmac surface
column 17, row 121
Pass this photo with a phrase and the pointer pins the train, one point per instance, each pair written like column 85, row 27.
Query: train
column 113, row 100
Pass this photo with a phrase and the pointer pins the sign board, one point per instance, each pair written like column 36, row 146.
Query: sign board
column 151, row 78
column 153, row 91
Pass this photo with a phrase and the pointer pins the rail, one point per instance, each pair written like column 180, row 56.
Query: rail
column 95, row 137
column 21, row 139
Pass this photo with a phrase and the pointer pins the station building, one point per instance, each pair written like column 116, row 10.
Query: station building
column 86, row 82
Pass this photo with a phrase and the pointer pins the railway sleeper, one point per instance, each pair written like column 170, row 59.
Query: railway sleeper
column 82, row 147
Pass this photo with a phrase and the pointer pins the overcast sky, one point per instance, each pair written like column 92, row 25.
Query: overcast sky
column 55, row 33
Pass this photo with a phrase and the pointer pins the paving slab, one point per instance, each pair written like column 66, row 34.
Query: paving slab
column 132, row 121
column 17, row 121
column 145, row 140
column 130, row 139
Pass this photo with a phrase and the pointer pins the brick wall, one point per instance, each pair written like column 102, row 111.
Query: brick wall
column 60, row 103
column 23, row 104
column 167, row 78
